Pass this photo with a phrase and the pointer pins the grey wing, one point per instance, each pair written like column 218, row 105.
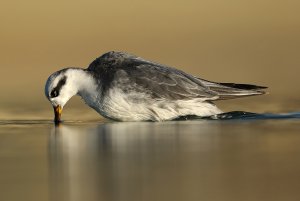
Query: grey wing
column 161, row 81
column 131, row 73
column 166, row 82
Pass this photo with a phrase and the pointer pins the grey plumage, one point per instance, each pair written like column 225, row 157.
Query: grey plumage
column 159, row 81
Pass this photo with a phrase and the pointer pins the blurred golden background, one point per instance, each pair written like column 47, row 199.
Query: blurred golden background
column 228, row 41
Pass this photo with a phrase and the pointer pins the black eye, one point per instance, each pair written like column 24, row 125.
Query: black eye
column 54, row 93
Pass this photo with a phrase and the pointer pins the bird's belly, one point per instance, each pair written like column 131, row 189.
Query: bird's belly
column 123, row 107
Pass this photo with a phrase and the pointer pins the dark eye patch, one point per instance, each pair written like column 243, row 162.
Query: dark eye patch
column 55, row 92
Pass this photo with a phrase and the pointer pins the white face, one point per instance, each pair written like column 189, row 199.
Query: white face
column 57, row 90
column 64, row 84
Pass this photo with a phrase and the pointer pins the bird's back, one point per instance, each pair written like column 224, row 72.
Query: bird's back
column 163, row 81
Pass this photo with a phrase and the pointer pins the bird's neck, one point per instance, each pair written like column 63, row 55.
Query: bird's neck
column 83, row 84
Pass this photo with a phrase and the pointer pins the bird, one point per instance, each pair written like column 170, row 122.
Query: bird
column 124, row 87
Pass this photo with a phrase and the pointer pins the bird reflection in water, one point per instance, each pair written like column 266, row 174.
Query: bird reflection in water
column 124, row 161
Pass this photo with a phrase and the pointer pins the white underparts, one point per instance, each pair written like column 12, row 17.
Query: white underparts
column 139, row 107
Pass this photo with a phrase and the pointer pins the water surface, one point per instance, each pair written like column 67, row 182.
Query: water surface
column 252, row 159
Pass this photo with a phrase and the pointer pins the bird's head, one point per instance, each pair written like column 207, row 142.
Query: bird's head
column 59, row 89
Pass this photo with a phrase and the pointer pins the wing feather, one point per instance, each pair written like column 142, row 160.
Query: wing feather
column 163, row 82
column 131, row 73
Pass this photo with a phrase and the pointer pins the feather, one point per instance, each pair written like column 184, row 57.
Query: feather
column 129, row 72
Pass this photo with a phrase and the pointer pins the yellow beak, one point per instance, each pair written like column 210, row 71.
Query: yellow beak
column 57, row 114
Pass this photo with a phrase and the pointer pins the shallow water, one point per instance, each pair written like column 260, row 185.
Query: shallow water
column 245, row 158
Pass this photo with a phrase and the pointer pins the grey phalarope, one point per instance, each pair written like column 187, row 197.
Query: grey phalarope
column 124, row 87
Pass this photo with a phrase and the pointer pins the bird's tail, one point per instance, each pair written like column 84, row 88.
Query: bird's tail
column 233, row 90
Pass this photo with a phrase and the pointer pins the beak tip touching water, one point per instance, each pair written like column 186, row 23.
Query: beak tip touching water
column 57, row 114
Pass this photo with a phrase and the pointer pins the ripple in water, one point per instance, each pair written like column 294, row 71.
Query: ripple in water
column 234, row 115
column 241, row 115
